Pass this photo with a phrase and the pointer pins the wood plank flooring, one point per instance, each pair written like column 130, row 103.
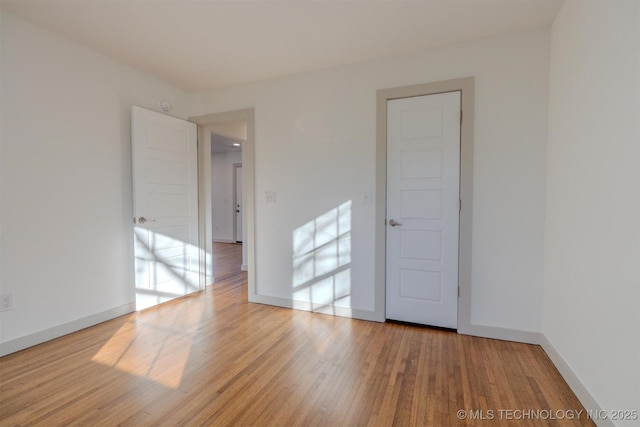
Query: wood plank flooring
column 215, row 359
column 226, row 259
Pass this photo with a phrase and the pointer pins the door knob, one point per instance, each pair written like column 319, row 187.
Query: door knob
column 394, row 223
column 143, row 220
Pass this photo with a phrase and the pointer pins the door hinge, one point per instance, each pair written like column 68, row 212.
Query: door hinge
column 460, row 116
column 458, row 291
column 459, row 205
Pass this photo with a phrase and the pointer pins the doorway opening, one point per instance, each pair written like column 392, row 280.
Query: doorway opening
column 227, row 139
column 233, row 127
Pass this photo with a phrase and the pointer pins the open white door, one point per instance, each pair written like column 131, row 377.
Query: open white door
column 423, row 191
column 165, row 207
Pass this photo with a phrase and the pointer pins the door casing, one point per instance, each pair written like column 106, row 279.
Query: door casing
column 466, row 86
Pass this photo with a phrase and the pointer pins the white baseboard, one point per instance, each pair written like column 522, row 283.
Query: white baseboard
column 30, row 340
column 316, row 308
column 503, row 334
column 223, row 241
column 574, row 382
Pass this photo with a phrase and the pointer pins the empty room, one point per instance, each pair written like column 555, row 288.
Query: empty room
column 279, row 213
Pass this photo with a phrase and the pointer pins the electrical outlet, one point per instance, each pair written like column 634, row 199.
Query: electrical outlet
column 6, row 302
column 270, row 196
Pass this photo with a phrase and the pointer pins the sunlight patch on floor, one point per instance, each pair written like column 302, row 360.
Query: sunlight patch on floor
column 159, row 353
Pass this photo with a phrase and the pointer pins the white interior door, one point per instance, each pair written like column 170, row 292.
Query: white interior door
column 423, row 193
column 165, row 206
column 238, row 201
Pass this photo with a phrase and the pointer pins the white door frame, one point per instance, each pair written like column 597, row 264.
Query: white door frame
column 466, row 87
column 248, row 190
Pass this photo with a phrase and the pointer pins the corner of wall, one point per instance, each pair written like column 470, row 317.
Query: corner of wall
column 574, row 382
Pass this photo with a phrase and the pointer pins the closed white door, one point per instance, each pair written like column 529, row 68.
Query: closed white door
column 423, row 193
column 165, row 206
column 238, row 201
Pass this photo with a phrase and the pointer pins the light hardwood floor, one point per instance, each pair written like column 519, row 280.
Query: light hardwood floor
column 214, row 359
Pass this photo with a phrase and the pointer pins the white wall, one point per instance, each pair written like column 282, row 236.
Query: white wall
column 592, row 253
column 66, row 249
column 315, row 147
column 222, row 187
column 65, row 201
